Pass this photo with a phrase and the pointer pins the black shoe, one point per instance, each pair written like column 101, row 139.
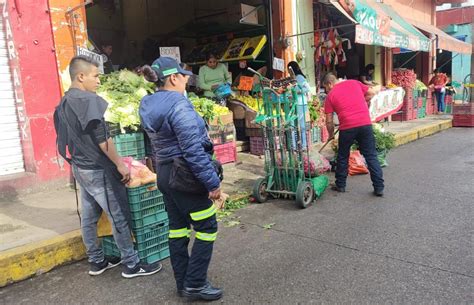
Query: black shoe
column 378, row 193
column 107, row 263
column 338, row 189
column 207, row 292
column 141, row 270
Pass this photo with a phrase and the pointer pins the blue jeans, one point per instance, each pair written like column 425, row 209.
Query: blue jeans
column 440, row 99
column 365, row 137
column 97, row 196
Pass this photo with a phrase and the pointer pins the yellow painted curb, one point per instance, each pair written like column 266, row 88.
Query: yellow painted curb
column 421, row 132
column 23, row 262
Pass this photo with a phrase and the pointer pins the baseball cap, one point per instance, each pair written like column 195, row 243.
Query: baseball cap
column 165, row 66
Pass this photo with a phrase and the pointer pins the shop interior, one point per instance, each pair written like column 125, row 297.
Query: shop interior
column 236, row 32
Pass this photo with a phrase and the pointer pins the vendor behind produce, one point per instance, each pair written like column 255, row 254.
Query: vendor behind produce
column 212, row 75
column 244, row 71
column 367, row 78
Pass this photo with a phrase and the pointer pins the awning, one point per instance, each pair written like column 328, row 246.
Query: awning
column 342, row 10
column 445, row 41
column 381, row 25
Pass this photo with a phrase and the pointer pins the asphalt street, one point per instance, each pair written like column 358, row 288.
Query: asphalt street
column 413, row 246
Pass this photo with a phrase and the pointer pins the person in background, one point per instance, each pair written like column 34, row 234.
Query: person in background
column 367, row 78
column 349, row 99
column 299, row 76
column 180, row 140
column 99, row 170
column 438, row 84
column 244, row 71
column 303, row 97
column 212, row 75
column 107, row 49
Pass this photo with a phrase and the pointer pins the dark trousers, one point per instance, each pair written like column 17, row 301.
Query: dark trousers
column 189, row 270
column 440, row 100
column 365, row 137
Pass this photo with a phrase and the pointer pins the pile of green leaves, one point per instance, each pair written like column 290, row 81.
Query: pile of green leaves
column 208, row 109
column 384, row 140
column 123, row 90
column 419, row 85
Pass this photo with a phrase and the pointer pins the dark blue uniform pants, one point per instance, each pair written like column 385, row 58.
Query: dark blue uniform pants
column 365, row 137
column 184, row 210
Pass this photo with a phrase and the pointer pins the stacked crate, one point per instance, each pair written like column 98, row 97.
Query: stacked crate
column 408, row 110
column 149, row 225
column 149, row 219
column 463, row 115
column 223, row 135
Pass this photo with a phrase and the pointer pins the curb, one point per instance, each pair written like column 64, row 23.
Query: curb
column 421, row 132
column 26, row 261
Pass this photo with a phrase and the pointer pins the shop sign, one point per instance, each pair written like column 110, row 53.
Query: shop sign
column 96, row 57
column 386, row 103
column 369, row 18
column 172, row 52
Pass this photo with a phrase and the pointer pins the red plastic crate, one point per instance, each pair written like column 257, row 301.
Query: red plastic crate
column 226, row 153
column 256, row 146
column 463, row 120
column 420, row 102
column 324, row 134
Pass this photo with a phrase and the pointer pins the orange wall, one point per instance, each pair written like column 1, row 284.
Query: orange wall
column 420, row 10
column 63, row 34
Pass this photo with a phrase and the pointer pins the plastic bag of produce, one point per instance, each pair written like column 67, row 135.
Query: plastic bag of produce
column 140, row 174
column 381, row 156
column 320, row 184
column 357, row 164
column 316, row 165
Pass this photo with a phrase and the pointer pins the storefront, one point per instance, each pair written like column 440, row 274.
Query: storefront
column 140, row 31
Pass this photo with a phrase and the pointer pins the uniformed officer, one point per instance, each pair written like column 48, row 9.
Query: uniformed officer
column 186, row 175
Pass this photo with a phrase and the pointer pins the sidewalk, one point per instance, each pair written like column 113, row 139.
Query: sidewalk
column 41, row 231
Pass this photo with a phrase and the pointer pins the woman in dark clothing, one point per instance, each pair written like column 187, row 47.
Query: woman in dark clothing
column 367, row 78
column 179, row 140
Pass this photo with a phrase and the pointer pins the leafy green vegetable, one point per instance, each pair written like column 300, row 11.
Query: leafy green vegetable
column 123, row 90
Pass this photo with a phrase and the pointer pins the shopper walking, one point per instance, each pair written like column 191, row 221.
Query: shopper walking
column 187, row 176
column 99, row 170
column 349, row 100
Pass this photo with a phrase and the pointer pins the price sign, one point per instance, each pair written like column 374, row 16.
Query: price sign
column 96, row 57
column 278, row 64
column 172, row 52
column 245, row 83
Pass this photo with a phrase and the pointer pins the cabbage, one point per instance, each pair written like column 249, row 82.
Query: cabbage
column 123, row 91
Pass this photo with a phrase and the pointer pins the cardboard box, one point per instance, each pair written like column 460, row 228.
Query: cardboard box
column 223, row 120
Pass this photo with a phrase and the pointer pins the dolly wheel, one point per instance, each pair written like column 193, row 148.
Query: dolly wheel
column 304, row 194
column 260, row 190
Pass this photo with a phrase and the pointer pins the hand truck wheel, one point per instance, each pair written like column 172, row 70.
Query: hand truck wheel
column 260, row 190
column 304, row 194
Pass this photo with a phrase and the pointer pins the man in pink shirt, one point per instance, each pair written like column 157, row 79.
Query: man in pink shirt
column 349, row 100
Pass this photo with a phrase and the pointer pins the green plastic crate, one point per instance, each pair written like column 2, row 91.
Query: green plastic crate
column 147, row 206
column 130, row 145
column 151, row 242
column 140, row 193
column 109, row 247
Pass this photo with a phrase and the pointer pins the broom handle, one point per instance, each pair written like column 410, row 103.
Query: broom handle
column 327, row 142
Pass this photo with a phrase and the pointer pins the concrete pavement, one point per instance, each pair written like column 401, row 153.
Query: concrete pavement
column 36, row 223
column 414, row 246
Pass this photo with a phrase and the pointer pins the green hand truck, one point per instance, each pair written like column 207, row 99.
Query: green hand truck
column 286, row 149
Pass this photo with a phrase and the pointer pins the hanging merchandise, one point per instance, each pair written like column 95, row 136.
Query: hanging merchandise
column 329, row 48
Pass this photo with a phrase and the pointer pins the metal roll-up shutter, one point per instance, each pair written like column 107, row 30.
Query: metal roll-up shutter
column 11, row 152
